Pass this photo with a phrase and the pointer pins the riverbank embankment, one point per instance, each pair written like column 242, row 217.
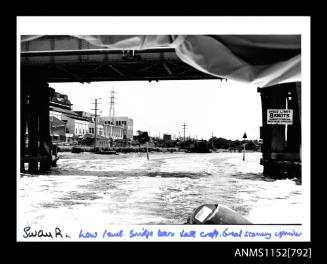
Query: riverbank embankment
column 118, row 149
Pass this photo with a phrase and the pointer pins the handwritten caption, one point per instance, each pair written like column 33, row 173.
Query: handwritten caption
column 161, row 233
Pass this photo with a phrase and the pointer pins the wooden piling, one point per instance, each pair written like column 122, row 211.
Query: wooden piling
column 33, row 125
column 35, row 116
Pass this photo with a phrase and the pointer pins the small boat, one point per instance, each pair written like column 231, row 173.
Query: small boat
column 216, row 214
column 77, row 150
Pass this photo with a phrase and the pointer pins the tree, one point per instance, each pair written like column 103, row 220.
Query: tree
column 142, row 137
column 250, row 145
column 221, row 143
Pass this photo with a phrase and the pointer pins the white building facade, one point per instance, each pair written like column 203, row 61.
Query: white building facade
column 124, row 122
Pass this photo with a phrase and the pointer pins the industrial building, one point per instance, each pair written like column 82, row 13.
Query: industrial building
column 120, row 121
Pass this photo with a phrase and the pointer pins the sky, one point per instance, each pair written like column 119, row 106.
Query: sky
column 225, row 109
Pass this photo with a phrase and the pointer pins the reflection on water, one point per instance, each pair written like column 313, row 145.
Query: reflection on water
column 129, row 189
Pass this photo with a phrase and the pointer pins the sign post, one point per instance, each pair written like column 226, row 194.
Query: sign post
column 244, row 137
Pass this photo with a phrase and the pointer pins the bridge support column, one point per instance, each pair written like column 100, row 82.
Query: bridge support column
column 281, row 145
column 32, row 124
column 35, row 116
column 23, row 126
column 44, row 127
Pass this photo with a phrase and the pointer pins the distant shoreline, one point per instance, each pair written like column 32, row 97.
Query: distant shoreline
column 142, row 149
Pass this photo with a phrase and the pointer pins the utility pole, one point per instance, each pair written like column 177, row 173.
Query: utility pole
column 112, row 107
column 95, row 122
column 184, row 125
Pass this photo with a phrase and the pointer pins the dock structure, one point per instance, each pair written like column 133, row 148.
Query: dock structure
column 281, row 149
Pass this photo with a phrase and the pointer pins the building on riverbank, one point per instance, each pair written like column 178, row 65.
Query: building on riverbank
column 70, row 126
column 120, row 121
column 75, row 125
column 60, row 108
column 57, row 130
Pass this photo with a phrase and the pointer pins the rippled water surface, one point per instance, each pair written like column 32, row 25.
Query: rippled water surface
column 129, row 189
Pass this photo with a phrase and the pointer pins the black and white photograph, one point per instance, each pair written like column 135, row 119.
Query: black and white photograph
column 170, row 129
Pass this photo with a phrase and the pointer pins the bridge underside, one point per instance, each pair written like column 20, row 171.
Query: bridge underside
column 90, row 66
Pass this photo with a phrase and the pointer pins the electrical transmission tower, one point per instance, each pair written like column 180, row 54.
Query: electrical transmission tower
column 112, row 107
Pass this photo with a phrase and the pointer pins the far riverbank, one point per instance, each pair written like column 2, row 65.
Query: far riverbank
column 119, row 149
column 138, row 149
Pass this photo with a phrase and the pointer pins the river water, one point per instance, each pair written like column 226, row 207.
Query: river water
column 129, row 189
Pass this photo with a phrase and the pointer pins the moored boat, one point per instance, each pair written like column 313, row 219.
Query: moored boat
column 77, row 150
